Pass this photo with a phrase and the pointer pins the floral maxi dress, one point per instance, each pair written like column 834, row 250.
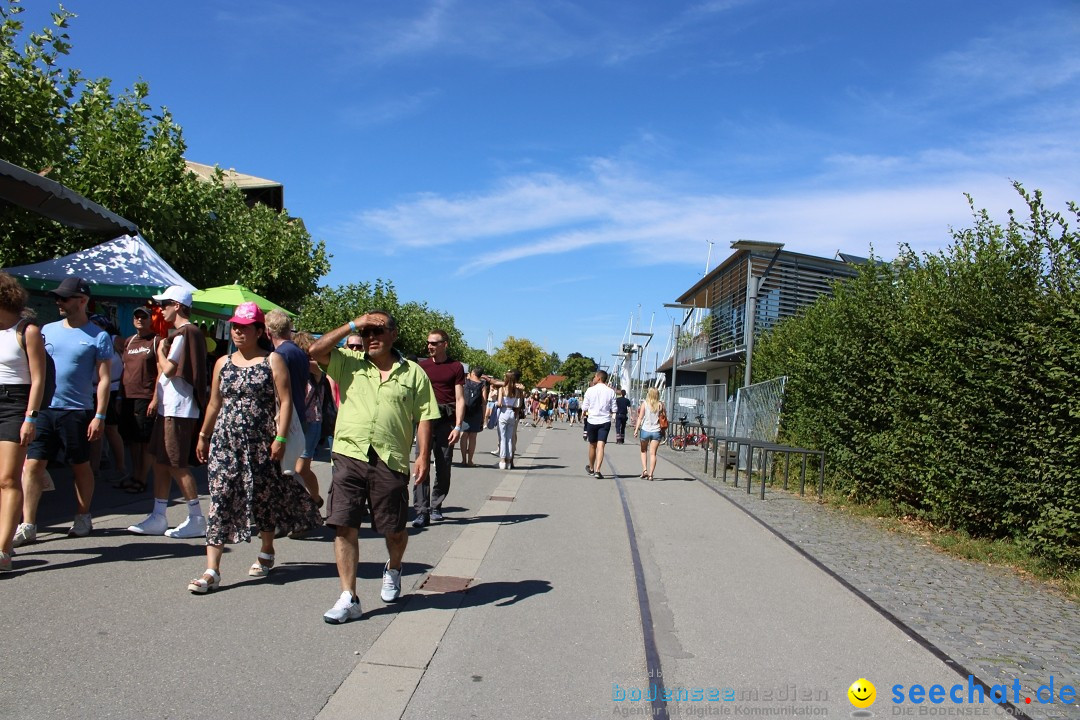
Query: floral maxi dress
column 247, row 487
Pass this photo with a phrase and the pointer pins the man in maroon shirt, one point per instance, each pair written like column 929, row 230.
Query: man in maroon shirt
column 448, row 379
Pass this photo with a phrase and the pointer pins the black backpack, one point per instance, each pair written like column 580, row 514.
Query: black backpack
column 474, row 394
column 50, row 365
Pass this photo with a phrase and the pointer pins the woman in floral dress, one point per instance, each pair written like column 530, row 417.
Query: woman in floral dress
column 243, row 437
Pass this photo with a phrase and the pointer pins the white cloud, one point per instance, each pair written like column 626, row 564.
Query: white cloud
column 365, row 115
column 859, row 201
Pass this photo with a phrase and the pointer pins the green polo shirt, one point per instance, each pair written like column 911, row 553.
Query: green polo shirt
column 379, row 413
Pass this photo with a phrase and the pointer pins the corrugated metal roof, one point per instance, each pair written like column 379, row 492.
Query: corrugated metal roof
column 49, row 198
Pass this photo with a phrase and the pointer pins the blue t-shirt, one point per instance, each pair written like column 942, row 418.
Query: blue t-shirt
column 76, row 353
column 297, row 362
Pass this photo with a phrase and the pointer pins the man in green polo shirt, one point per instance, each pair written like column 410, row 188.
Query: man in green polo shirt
column 383, row 397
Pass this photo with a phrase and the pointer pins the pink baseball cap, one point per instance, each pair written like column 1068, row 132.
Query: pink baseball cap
column 247, row 313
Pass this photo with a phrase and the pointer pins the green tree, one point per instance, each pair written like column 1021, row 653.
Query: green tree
column 117, row 152
column 578, row 369
column 330, row 307
column 525, row 356
column 945, row 383
column 479, row 358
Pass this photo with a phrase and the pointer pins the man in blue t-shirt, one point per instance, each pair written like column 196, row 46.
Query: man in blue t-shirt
column 279, row 328
column 81, row 352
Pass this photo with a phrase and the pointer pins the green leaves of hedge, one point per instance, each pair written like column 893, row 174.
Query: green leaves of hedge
column 946, row 383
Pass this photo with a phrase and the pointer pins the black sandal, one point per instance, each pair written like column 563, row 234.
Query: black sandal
column 134, row 487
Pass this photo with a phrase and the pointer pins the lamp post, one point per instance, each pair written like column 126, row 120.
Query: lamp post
column 675, row 353
column 641, row 360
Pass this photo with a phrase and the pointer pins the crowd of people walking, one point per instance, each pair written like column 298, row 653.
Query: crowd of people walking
column 256, row 420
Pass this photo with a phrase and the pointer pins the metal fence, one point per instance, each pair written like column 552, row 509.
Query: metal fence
column 709, row 401
column 757, row 412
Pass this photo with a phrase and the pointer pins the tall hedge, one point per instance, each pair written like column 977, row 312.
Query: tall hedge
column 947, row 383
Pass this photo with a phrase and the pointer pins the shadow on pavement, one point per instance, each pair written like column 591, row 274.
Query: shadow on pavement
column 34, row 558
column 499, row 594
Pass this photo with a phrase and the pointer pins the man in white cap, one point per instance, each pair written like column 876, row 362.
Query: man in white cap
column 181, row 396
column 81, row 352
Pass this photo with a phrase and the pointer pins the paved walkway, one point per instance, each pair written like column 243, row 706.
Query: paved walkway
column 582, row 594
column 996, row 623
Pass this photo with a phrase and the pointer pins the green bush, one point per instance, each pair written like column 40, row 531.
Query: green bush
column 946, row 384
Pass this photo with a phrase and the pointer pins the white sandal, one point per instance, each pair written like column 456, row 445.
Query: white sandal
column 260, row 569
column 202, row 585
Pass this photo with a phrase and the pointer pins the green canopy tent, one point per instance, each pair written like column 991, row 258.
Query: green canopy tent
column 218, row 302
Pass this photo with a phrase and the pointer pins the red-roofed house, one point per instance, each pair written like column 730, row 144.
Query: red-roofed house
column 550, row 382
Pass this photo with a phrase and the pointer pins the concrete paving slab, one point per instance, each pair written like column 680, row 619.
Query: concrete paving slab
column 372, row 692
column 414, row 635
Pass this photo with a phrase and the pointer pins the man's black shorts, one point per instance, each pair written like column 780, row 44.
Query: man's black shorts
column 597, row 433
column 367, row 488
column 135, row 425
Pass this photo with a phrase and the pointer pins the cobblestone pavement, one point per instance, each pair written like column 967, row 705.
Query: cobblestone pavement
column 996, row 624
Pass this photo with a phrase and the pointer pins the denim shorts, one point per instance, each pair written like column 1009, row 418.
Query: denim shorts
column 646, row 435
column 61, row 436
column 311, row 439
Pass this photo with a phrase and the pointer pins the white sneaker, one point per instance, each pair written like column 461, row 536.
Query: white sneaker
column 502, row 464
column 345, row 609
column 391, row 584
column 193, row 527
column 152, row 525
column 24, row 534
column 82, row 526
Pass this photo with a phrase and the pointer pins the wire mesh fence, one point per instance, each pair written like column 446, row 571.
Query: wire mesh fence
column 704, row 404
column 757, row 413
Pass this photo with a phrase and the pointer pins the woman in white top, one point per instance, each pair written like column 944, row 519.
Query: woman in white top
column 22, row 384
column 647, row 430
column 511, row 406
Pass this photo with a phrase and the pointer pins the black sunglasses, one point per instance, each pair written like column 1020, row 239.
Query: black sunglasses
column 372, row 331
column 355, row 346
column 167, row 303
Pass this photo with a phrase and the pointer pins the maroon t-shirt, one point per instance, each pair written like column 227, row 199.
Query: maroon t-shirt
column 444, row 376
column 140, row 367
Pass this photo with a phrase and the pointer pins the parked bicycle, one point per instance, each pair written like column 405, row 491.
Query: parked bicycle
column 679, row 440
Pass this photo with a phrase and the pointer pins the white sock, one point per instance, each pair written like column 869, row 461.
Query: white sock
column 160, row 506
column 193, row 509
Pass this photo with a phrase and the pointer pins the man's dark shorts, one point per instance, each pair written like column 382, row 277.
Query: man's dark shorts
column 170, row 442
column 367, row 488
column 61, row 436
column 135, row 425
column 597, row 433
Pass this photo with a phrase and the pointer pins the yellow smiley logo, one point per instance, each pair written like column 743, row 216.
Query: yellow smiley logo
column 862, row 693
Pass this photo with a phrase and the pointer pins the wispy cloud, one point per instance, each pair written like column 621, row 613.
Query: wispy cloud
column 1012, row 62
column 512, row 33
column 364, row 115
column 869, row 200
column 691, row 23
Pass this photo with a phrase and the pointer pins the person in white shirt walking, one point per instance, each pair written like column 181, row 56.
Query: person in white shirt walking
column 599, row 403
column 181, row 395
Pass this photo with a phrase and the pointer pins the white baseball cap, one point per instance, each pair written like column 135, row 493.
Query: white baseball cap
column 176, row 293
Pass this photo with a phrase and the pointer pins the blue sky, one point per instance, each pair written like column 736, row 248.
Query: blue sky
column 549, row 169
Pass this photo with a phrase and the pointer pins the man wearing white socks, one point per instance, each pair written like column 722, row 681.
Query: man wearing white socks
column 181, row 394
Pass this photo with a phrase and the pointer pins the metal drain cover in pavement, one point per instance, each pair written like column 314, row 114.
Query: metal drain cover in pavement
column 445, row 584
